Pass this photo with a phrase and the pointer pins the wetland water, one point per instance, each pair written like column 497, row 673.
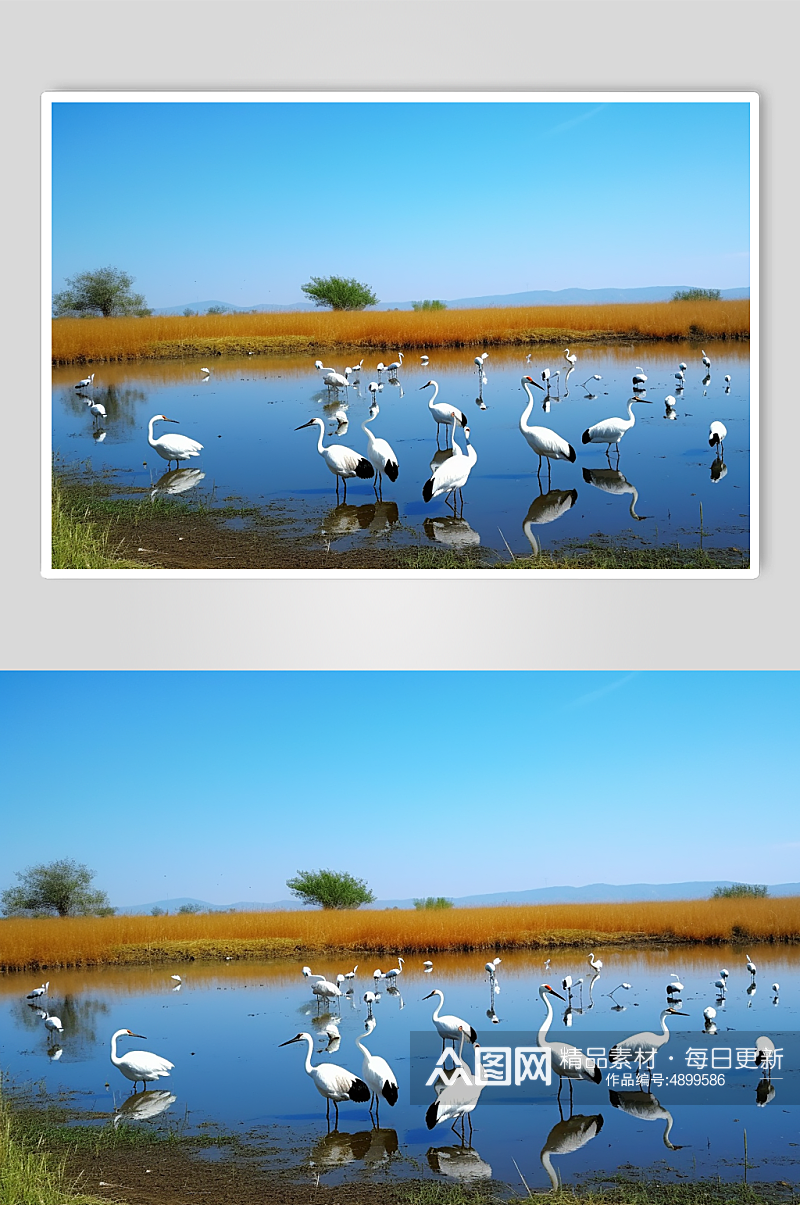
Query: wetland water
column 223, row 1027
column 246, row 412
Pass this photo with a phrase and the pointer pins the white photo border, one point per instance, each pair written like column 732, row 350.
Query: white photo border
column 50, row 98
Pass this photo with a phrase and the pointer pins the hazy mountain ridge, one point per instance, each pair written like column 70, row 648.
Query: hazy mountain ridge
column 594, row 893
column 534, row 297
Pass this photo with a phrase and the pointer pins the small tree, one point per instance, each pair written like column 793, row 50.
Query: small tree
column 217, row 309
column 156, row 911
column 339, row 293
column 697, row 295
column 740, row 891
column 432, row 901
column 189, row 910
column 62, row 888
column 189, row 312
column 105, row 293
column 422, row 306
column 330, row 889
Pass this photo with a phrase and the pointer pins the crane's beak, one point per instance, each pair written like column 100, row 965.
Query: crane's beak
column 428, row 996
column 290, row 1039
column 138, row 1035
column 552, row 993
column 675, row 1013
column 300, row 428
column 536, row 383
column 170, row 420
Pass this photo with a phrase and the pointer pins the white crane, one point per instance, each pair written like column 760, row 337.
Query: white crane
column 449, row 1027
column 491, row 967
column 542, row 440
column 350, row 976
column 395, row 971
column 452, row 474
column 206, row 370
column 375, row 387
column 323, row 989
column 177, row 977
column 343, row 462
column 717, row 434
column 96, row 409
column 644, row 1107
column 674, row 989
column 566, row 1136
column 379, row 368
column 138, row 1064
column 334, row 1083
column 172, row 447
column 594, row 377
column 369, row 1000
column 727, row 380
column 750, row 965
column 53, row 1024
column 442, row 413
column 594, row 963
column 396, row 365
column 567, row 1061
column 478, row 362
column 377, row 975
column 626, row 987
column 570, row 357
column 86, row 382
column 706, row 360
column 611, row 430
column 679, row 377
column 457, row 1099
column 639, row 1046
column 639, row 379
column 38, row 991
column 721, row 987
column 709, row 1013
column 376, row 1073
column 683, row 366
column 380, row 454
column 776, row 987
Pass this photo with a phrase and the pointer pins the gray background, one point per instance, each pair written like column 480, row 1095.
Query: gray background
column 496, row 622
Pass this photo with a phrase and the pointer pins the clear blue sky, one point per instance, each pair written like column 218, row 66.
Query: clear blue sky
column 221, row 785
column 245, row 202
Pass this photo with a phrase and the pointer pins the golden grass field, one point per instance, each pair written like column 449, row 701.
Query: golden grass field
column 26, row 944
column 89, row 340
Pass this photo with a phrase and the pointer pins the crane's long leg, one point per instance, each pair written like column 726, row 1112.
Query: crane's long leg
column 469, row 1120
column 344, row 479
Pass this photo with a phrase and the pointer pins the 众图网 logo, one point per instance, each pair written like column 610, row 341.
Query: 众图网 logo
column 494, row 1067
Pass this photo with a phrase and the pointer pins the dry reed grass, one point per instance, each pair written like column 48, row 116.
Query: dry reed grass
column 84, row 340
column 90, row 941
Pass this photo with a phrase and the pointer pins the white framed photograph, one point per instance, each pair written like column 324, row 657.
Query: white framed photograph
column 503, row 335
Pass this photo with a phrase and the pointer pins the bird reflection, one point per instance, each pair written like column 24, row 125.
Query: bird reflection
column 395, row 991
column 546, row 509
column 144, row 1106
column 439, row 457
column 462, row 1163
column 706, row 380
column 614, row 482
column 347, row 519
column 765, row 1092
column 718, row 470
column 99, row 435
column 565, row 1138
column 54, row 1053
column 177, row 481
column 644, row 1107
column 448, row 529
column 336, row 1149
column 492, row 1015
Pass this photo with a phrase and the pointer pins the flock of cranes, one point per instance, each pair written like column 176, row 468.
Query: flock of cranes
column 451, row 468
column 377, row 1085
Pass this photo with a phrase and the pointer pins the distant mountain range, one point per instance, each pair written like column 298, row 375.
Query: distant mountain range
column 536, row 297
column 594, row 893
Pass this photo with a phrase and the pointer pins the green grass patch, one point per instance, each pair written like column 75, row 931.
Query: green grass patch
column 595, row 555
column 30, row 1174
column 619, row 1190
column 205, row 950
column 79, row 541
column 229, row 345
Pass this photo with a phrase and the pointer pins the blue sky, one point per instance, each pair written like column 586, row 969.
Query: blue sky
column 245, row 202
column 221, row 785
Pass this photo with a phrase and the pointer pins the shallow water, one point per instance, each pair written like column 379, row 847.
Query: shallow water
column 223, row 1027
column 246, row 412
